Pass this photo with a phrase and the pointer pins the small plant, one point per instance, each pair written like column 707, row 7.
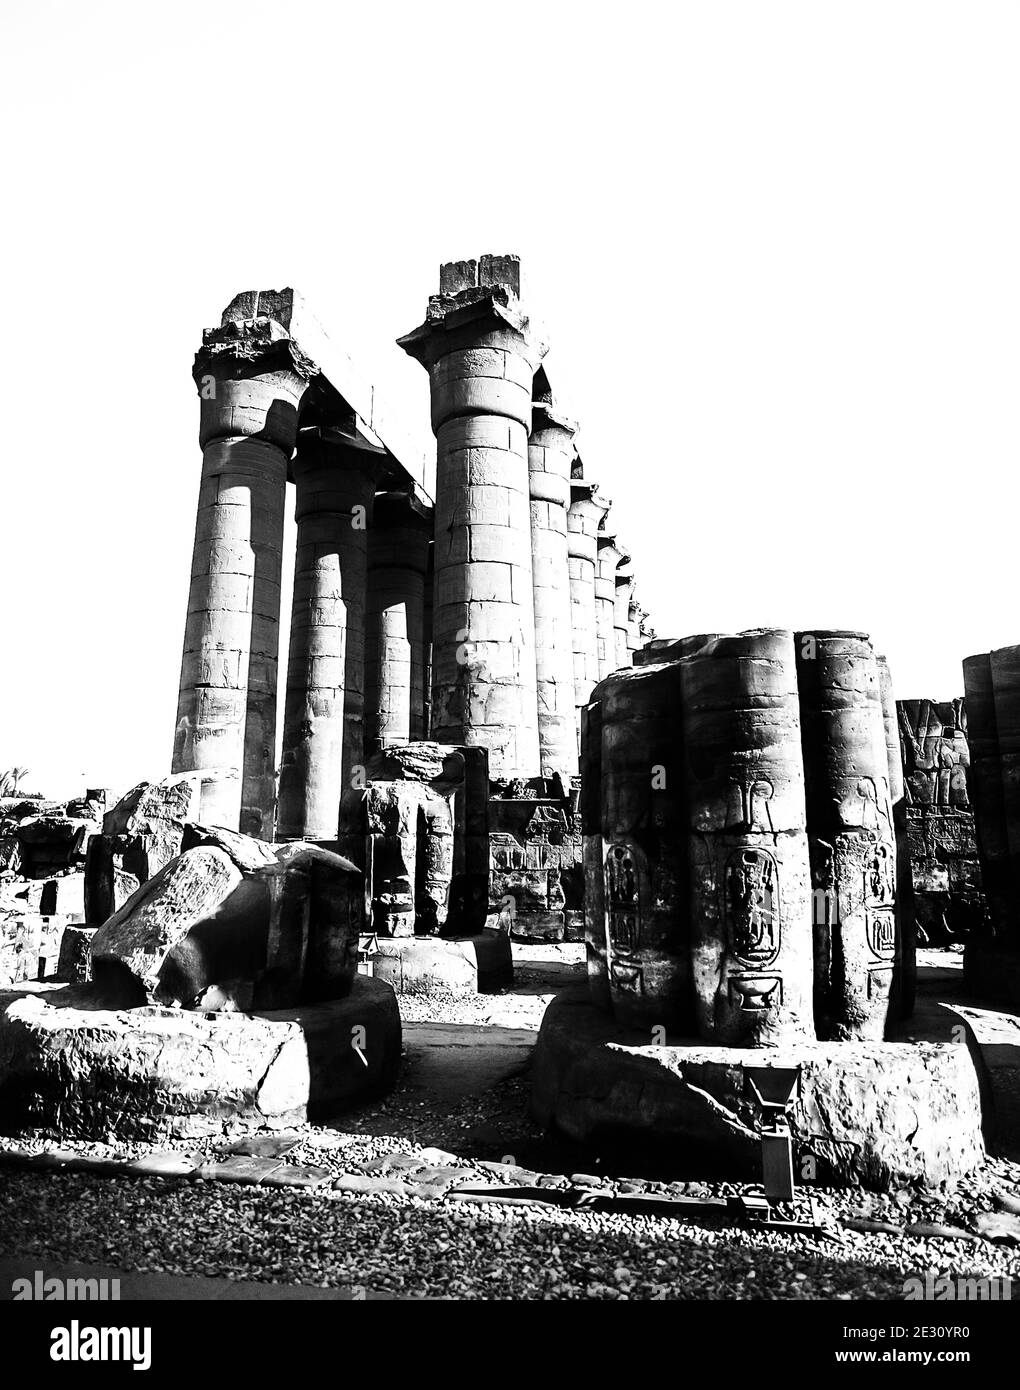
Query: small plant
column 11, row 780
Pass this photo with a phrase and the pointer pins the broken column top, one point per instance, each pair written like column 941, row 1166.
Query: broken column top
column 457, row 276
column 486, row 288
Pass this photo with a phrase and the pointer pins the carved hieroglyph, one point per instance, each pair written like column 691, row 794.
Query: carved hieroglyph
column 852, row 839
column 749, row 873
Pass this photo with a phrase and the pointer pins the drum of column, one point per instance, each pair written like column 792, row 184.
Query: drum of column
column 749, row 877
column 851, row 835
column 643, row 920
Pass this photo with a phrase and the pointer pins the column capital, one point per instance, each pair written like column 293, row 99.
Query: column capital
column 587, row 506
column 251, row 377
column 250, row 347
column 545, row 418
column 480, row 348
column 611, row 551
column 333, row 472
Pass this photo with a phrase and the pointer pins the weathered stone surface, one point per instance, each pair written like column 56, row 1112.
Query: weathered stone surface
column 51, row 844
column 141, row 950
column 1000, row 1226
column 940, row 819
column 640, row 850
column 850, row 833
column 246, row 852
column 78, row 1071
column 419, row 831
column 748, row 867
column 64, row 896
column 395, row 633
column 456, row 968
column 316, row 914
column 323, row 730
column 145, row 808
column 482, row 353
column 74, row 963
column 905, row 972
column 550, row 452
column 880, row 1114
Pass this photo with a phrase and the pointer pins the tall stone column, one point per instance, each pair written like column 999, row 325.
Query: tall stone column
column 322, row 728
column 583, row 517
column 621, row 618
column 482, row 352
column 550, row 452
column 986, row 791
column 750, row 878
column 609, row 558
column 905, row 980
column 251, row 380
column 851, row 836
column 398, row 552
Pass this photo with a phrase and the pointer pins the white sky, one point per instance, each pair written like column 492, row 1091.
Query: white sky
column 776, row 247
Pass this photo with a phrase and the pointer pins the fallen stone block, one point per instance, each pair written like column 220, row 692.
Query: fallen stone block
column 63, row 896
column 935, row 1230
column 248, row 854
column 1000, row 1226
column 298, row 1175
column 239, row 1168
column 196, row 922
column 149, row 803
column 168, row 1164
column 74, row 963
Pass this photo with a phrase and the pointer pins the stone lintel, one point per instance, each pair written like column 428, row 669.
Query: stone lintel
column 336, row 377
column 408, row 507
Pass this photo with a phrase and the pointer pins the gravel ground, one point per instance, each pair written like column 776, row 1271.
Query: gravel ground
column 400, row 1243
column 422, row 1249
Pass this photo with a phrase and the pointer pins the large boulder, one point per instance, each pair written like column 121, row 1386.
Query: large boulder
column 231, row 911
column 142, row 832
column 163, row 945
column 316, row 916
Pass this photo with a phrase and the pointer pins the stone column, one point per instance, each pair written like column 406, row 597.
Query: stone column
column 986, row 791
column 905, row 978
column 583, row 517
column 1005, row 669
column 645, row 907
column 633, row 627
column 609, row 558
column 850, row 831
column 251, row 380
column 398, row 550
column 750, row 879
column 621, row 618
column 590, row 811
column 322, row 727
column 482, row 352
column 550, row 451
